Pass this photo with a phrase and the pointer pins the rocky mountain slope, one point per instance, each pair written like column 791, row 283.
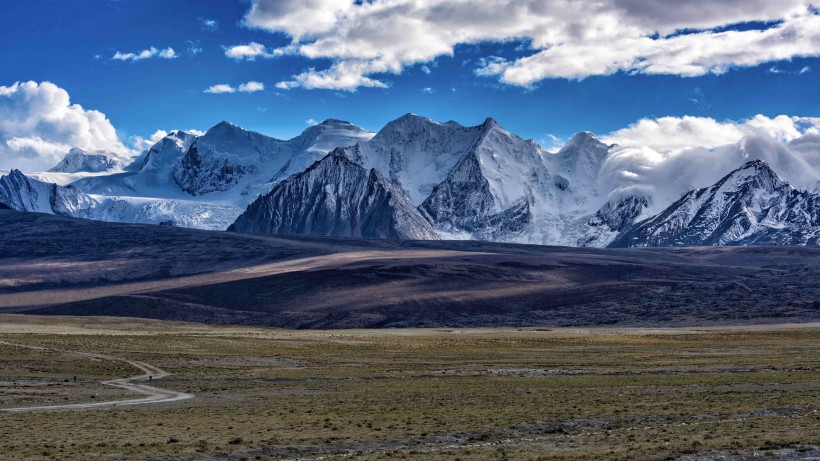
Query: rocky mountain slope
column 749, row 206
column 483, row 182
column 339, row 198
column 22, row 193
column 228, row 157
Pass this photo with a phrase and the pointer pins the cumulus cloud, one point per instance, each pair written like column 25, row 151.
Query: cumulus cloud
column 221, row 88
column 666, row 157
column 248, row 87
column 566, row 38
column 251, row 51
column 39, row 124
column 167, row 53
column 251, row 87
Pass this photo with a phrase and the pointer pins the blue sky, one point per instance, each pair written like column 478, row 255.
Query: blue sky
column 72, row 45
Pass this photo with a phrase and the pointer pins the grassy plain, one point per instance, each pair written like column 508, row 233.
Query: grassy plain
column 572, row 394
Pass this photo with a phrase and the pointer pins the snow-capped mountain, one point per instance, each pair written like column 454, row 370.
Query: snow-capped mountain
column 615, row 217
column 415, row 178
column 491, row 191
column 159, row 161
column 228, row 157
column 336, row 197
column 483, row 182
column 22, row 193
column 207, row 181
column 416, row 152
column 580, row 160
column 79, row 161
column 749, row 206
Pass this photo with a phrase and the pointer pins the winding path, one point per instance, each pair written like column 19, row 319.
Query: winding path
column 134, row 384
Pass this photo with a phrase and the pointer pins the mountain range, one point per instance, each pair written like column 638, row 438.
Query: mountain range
column 414, row 179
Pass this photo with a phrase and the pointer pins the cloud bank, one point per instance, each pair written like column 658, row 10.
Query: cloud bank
column 567, row 38
column 664, row 158
column 39, row 124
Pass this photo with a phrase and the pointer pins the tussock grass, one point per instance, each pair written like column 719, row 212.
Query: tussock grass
column 418, row 394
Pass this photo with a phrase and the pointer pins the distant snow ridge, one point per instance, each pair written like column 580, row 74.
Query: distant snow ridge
column 615, row 217
column 19, row 192
column 228, row 156
column 160, row 159
column 78, row 160
column 749, row 206
column 415, row 178
column 336, row 197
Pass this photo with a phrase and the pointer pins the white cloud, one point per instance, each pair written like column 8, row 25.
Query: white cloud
column 210, row 24
column 427, row 90
column 311, row 122
column 167, row 53
column 221, row 88
column 39, row 124
column 251, row 87
column 140, row 143
column 248, row 87
column 666, row 157
column 426, row 70
column 670, row 134
column 566, row 38
column 251, row 51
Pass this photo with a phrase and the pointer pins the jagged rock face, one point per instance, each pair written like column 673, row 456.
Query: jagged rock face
column 19, row 192
column 463, row 179
column 751, row 205
column 78, row 160
column 464, row 202
column 228, row 156
column 199, row 173
column 336, row 197
column 416, row 152
column 614, row 217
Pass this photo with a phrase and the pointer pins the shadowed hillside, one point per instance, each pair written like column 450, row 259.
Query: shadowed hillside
column 214, row 277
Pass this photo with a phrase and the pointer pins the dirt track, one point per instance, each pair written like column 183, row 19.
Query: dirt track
column 133, row 384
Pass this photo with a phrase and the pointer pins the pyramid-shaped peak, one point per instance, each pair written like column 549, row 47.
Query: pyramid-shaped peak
column 755, row 167
column 757, row 164
column 224, row 126
column 584, row 141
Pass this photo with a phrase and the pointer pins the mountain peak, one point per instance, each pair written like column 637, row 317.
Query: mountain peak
column 757, row 164
column 413, row 118
column 224, row 127
column 15, row 173
column 489, row 121
column 334, row 122
column 753, row 169
column 583, row 139
column 337, row 152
